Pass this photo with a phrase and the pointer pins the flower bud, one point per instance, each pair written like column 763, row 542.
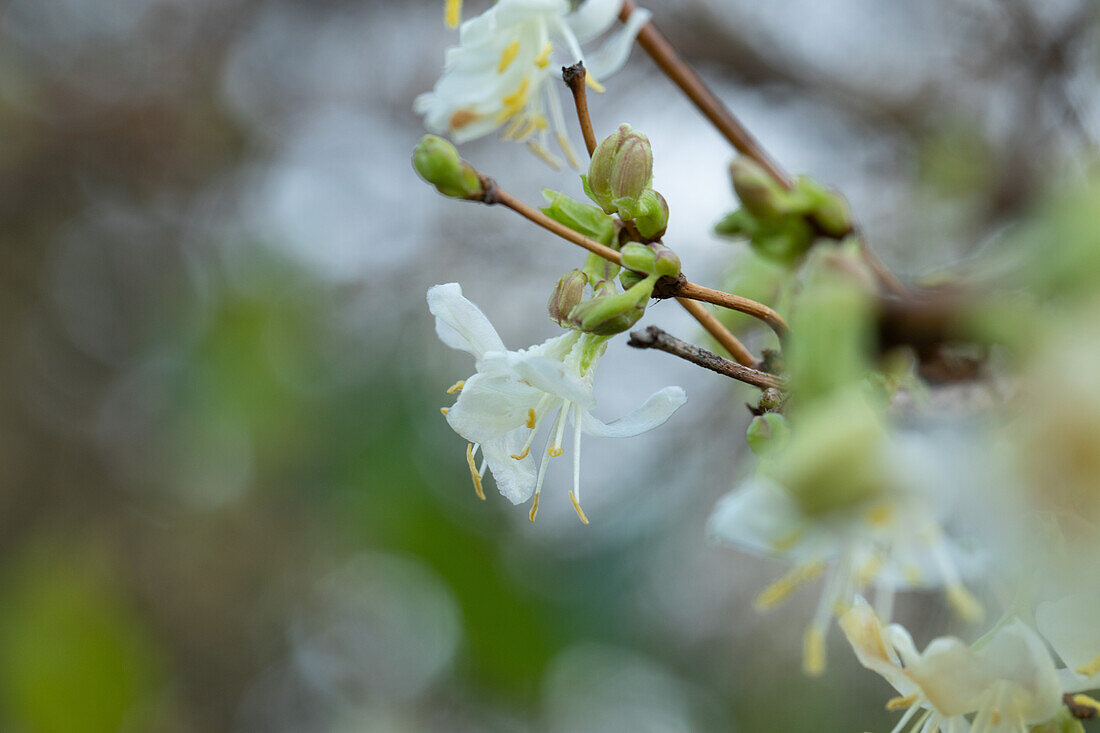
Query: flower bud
column 767, row 433
column 759, row 192
column 567, row 295
column 588, row 220
column 828, row 209
column 653, row 223
column 652, row 259
column 621, row 168
column 629, row 278
column 437, row 162
column 611, row 314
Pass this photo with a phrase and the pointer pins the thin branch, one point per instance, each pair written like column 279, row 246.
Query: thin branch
column 661, row 51
column 718, row 330
column 655, row 338
column 574, row 77
column 685, row 289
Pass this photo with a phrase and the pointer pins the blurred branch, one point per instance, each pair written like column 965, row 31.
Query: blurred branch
column 655, row 338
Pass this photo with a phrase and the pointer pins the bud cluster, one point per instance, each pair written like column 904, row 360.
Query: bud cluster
column 620, row 177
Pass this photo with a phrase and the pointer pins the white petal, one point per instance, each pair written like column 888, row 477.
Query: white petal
column 951, row 675
column 1018, row 655
column 872, row 646
column 615, row 51
column 459, row 323
column 515, row 479
column 593, row 17
column 1072, row 626
column 653, row 413
column 490, row 406
column 759, row 517
column 548, row 375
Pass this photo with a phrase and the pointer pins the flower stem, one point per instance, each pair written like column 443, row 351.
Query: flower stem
column 719, row 331
column 574, row 78
column 733, row 302
column 655, row 338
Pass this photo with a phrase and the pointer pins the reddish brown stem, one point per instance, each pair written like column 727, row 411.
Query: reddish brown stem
column 574, row 77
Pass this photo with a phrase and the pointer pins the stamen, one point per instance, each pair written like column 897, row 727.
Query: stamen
column 456, row 387
column 1091, row 669
column 813, row 651
column 452, row 13
column 543, row 465
column 901, row 703
column 521, row 456
column 515, row 101
column 444, row 410
column 869, row 571
column 531, row 419
column 965, row 604
column 555, row 452
column 787, row 541
column 508, row 56
column 543, row 59
column 577, row 507
column 591, row 83
column 570, row 153
column 534, row 508
column 905, row 719
column 879, row 515
column 555, row 449
column 1084, row 701
column 778, row 591
column 470, row 448
column 544, row 155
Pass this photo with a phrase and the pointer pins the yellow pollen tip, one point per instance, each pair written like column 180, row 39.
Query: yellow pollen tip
column 1084, row 701
column 452, row 13
column 522, row 455
column 474, row 472
column 531, row 418
column 879, row 515
column 965, row 604
column 901, row 703
column 577, row 507
column 544, row 155
column 543, row 59
column 813, row 652
column 554, row 452
column 995, row 717
column 534, row 509
column 514, row 102
column 787, row 541
column 456, row 387
column 591, row 83
column 1091, row 669
column 508, row 56
column 444, row 410
column 778, row 591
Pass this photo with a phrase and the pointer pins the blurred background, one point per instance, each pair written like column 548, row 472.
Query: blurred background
column 227, row 499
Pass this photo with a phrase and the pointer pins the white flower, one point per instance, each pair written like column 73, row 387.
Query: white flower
column 1072, row 626
column 515, row 393
column 890, row 540
column 1007, row 679
column 503, row 72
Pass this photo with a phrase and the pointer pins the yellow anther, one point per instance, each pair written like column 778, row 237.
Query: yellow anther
column 995, row 717
column 452, row 13
column 965, row 604
column 515, row 101
column 813, row 652
column 775, row 593
column 554, row 452
column 508, row 56
column 544, row 155
column 521, row 456
column 591, row 83
column 463, row 117
column 534, row 508
column 543, row 59
column 1091, row 669
column 570, row 154
column 444, row 410
column 912, row 574
column 1084, row 701
column 869, row 571
column 879, row 515
column 577, row 507
column 787, row 541
column 456, row 387
column 474, row 472
column 531, row 418
column 901, row 703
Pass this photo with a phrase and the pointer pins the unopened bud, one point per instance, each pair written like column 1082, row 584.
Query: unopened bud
column 767, row 433
column 629, row 278
column 437, row 162
column 611, row 314
column 567, row 295
column 621, row 168
column 759, row 192
column 588, row 220
column 653, row 223
column 653, row 259
column 828, row 209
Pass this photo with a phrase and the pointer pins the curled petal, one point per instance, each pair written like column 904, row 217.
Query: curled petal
column 653, row 413
column 515, row 478
column 546, row 374
column 1072, row 626
column 490, row 406
column 459, row 323
column 592, row 18
column 615, row 51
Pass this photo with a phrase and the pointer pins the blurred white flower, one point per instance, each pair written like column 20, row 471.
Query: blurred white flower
column 502, row 73
column 1072, row 626
column 887, row 536
column 1007, row 679
column 514, row 393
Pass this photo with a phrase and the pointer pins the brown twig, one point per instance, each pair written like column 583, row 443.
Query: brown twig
column 685, row 289
column 718, row 330
column 655, row 338
column 574, row 77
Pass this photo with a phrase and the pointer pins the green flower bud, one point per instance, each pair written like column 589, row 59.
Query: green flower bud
column 567, row 295
column 629, row 278
column 770, row 399
column 759, row 192
column 607, row 315
column 653, row 259
column 621, row 168
column 437, row 162
column 767, row 433
column 740, row 224
column 653, row 222
column 828, row 209
column 584, row 218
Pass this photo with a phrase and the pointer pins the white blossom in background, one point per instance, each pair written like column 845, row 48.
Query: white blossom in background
column 506, row 70
column 514, row 394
